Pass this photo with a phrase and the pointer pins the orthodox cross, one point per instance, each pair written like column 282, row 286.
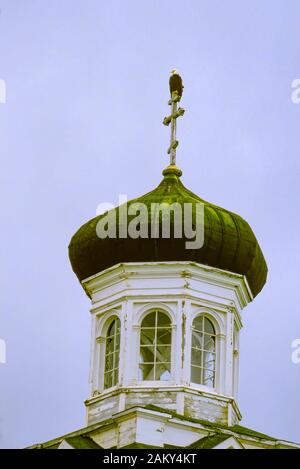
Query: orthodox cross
column 176, row 89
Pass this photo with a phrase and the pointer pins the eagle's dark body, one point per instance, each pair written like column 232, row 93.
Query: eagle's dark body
column 176, row 84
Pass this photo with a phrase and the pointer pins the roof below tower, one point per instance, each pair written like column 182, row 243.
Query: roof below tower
column 192, row 433
column 229, row 242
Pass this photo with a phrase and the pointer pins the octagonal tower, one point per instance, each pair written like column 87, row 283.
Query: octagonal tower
column 166, row 312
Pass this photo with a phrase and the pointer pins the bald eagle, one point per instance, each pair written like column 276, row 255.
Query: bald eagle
column 175, row 83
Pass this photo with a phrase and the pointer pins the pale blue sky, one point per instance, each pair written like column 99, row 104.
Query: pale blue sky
column 87, row 88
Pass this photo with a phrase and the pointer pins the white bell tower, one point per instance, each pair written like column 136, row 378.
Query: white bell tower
column 166, row 334
column 168, row 275
column 166, row 316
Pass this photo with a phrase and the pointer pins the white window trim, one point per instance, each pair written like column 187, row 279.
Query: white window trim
column 100, row 346
column 141, row 314
column 219, row 334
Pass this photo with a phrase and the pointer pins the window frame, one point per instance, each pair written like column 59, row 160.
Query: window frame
column 172, row 327
column 104, row 322
column 214, row 324
column 116, row 351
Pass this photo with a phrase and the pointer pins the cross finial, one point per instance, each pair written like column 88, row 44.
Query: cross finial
column 176, row 89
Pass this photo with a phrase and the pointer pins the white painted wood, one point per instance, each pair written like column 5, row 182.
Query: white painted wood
column 182, row 290
column 157, row 428
column 65, row 445
column 230, row 443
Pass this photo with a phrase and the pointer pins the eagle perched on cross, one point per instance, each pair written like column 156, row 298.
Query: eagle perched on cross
column 176, row 89
column 175, row 84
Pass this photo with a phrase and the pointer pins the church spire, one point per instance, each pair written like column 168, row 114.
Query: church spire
column 176, row 90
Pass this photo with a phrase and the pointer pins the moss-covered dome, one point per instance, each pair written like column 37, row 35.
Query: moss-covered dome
column 229, row 242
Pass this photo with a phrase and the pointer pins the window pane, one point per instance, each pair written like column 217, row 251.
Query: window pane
column 115, row 377
column 196, row 375
column 109, row 345
column 209, row 360
column 196, row 357
column 209, row 342
column 198, row 323
column 155, row 347
column 197, row 340
column 147, row 354
column 164, row 336
column 208, row 378
column 112, row 351
column 163, row 354
column 108, row 379
column 162, row 319
column 162, row 372
column 111, row 330
column 146, row 371
column 118, row 340
column 109, row 361
column 203, row 356
column 147, row 336
column 208, row 327
column 149, row 320
column 116, row 359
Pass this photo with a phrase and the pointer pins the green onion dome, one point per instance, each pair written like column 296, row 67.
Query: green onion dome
column 229, row 242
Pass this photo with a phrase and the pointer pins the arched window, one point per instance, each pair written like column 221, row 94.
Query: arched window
column 112, row 352
column 155, row 347
column 203, row 356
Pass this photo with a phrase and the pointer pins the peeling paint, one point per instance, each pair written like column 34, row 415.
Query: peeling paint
column 183, row 331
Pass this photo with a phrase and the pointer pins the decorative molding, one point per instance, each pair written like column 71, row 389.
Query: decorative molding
column 221, row 336
column 111, row 277
column 100, row 340
column 186, row 273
